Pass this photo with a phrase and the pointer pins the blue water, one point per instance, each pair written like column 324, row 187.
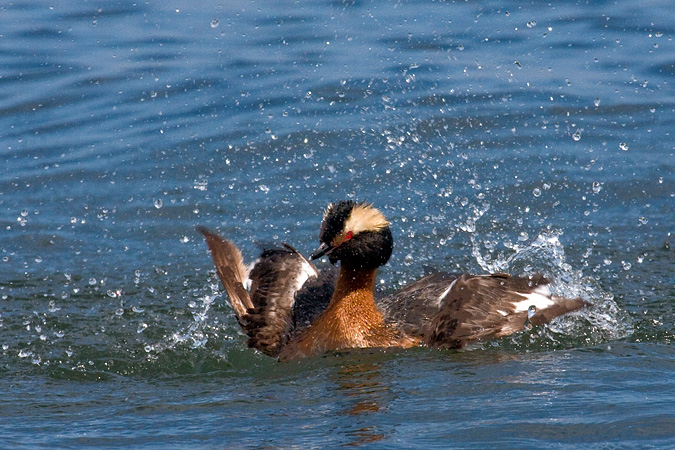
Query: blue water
column 496, row 136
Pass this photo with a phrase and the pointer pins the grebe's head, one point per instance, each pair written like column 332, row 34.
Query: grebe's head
column 356, row 234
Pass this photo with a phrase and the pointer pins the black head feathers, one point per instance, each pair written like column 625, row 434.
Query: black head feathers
column 356, row 234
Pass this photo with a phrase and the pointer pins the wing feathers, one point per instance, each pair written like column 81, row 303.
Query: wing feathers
column 265, row 310
column 231, row 271
column 493, row 306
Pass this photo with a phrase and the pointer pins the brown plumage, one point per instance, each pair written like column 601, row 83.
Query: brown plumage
column 292, row 311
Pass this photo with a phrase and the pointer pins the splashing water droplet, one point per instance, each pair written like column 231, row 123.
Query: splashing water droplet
column 536, row 192
column 576, row 136
column 158, row 203
column 623, row 146
column 596, row 187
column 215, row 23
column 531, row 311
column 201, row 185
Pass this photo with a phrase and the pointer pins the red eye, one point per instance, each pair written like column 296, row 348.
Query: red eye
column 349, row 235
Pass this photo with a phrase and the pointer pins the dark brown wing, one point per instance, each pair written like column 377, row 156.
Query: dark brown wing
column 277, row 275
column 265, row 311
column 412, row 308
column 313, row 298
column 493, row 306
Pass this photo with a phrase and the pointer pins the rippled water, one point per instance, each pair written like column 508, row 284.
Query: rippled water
column 513, row 136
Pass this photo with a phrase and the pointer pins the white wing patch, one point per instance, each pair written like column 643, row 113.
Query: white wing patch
column 540, row 298
column 445, row 293
column 307, row 270
column 247, row 281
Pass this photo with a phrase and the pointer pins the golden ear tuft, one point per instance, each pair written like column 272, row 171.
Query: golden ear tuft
column 364, row 217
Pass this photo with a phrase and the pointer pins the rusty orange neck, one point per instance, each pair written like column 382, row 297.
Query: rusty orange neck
column 351, row 320
column 352, row 309
column 355, row 285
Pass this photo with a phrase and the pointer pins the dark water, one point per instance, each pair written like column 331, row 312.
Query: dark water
column 512, row 136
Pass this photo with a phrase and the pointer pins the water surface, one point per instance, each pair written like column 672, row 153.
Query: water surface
column 509, row 136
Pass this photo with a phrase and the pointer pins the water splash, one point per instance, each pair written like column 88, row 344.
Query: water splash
column 602, row 322
column 194, row 336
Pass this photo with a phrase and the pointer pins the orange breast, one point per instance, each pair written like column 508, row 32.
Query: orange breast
column 351, row 320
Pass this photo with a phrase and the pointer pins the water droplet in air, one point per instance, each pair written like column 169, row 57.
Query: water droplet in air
column 536, row 192
column 576, row 136
column 92, row 281
column 642, row 220
column 531, row 311
column 24, row 213
column 596, row 102
column 626, row 265
column 531, row 24
column 623, row 146
column 158, row 203
column 201, row 184
column 596, row 187
column 141, row 327
column 215, row 23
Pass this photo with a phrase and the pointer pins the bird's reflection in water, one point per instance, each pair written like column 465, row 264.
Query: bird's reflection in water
column 365, row 393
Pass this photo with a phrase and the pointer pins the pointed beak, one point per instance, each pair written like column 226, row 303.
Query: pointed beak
column 321, row 251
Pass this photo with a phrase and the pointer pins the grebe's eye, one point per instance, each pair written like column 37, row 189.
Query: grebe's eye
column 349, row 235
